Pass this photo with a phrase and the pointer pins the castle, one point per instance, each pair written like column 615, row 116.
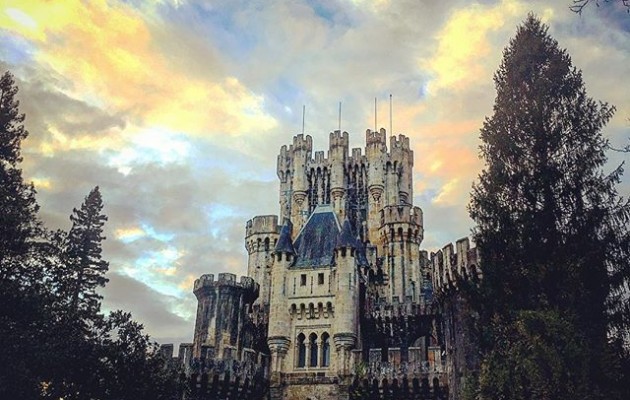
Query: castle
column 340, row 301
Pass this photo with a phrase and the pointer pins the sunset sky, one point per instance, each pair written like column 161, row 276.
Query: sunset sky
column 177, row 110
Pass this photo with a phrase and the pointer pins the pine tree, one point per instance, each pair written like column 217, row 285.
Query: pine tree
column 19, row 226
column 551, row 228
column 86, row 267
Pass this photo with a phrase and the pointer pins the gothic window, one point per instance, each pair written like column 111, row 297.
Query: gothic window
column 325, row 349
column 301, row 350
column 312, row 339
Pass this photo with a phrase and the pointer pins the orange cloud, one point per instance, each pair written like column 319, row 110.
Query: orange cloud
column 106, row 50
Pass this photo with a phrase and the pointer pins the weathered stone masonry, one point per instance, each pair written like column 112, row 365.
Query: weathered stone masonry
column 340, row 301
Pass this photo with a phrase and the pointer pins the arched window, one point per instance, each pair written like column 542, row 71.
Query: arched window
column 312, row 339
column 325, row 349
column 301, row 350
column 266, row 244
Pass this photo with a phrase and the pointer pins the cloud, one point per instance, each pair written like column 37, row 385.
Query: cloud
column 177, row 109
column 463, row 43
column 107, row 50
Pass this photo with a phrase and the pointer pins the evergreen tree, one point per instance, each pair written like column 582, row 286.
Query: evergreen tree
column 551, row 229
column 85, row 267
column 19, row 226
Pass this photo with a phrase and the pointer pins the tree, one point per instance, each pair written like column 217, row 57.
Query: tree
column 577, row 6
column 552, row 231
column 19, row 226
column 85, row 269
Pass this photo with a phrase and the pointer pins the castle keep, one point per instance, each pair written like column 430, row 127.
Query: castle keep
column 340, row 301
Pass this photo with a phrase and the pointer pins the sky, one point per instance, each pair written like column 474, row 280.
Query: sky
column 177, row 109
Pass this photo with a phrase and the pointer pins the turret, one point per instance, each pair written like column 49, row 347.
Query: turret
column 337, row 156
column 401, row 191
column 401, row 233
column 279, row 331
column 302, row 149
column 376, row 153
column 347, row 297
column 261, row 235
column 222, row 307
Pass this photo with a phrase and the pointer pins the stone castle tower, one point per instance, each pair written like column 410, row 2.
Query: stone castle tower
column 345, row 263
column 339, row 296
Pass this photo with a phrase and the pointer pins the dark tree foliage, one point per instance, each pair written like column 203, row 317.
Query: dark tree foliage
column 19, row 226
column 86, row 268
column 55, row 341
column 552, row 231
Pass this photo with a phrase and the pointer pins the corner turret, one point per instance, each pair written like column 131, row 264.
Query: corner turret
column 279, row 328
column 221, row 314
column 261, row 236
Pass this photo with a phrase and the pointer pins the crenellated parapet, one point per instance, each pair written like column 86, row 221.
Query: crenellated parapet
column 401, row 214
column 376, row 139
column 401, row 223
column 261, row 234
column 261, row 225
column 454, row 264
column 206, row 284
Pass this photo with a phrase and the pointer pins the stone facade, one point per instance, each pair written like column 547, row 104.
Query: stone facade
column 340, row 299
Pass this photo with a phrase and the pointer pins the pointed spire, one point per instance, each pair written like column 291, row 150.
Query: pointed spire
column 285, row 245
column 345, row 238
column 360, row 252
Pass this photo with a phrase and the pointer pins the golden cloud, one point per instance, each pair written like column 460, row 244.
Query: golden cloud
column 463, row 43
column 106, row 50
column 129, row 234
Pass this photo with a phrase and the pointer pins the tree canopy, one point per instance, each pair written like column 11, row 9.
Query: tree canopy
column 577, row 6
column 552, row 231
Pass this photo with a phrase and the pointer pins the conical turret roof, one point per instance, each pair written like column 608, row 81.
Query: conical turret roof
column 360, row 251
column 285, row 245
column 345, row 237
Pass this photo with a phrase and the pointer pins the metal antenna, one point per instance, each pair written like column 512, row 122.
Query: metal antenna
column 303, row 112
column 375, row 114
column 391, row 129
column 339, row 116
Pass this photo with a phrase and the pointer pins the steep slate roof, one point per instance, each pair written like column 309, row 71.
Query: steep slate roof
column 316, row 242
column 346, row 238
column 284, row 244
column 360, row 252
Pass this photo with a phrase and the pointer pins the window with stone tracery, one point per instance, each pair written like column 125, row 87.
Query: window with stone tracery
column 325, row 349
column 301, row 350
column 312, row 339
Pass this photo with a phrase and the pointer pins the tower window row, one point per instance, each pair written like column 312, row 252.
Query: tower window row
column 313, row 352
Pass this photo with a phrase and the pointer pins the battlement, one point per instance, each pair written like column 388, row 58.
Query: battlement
column 301, row 142
column 373, row 138
column 454, row 264
column 402, row 213
column 416, row 365
column 320, row 158
column 339, row 139
column 262, row 225
column 401, row 142
column 224, row 279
